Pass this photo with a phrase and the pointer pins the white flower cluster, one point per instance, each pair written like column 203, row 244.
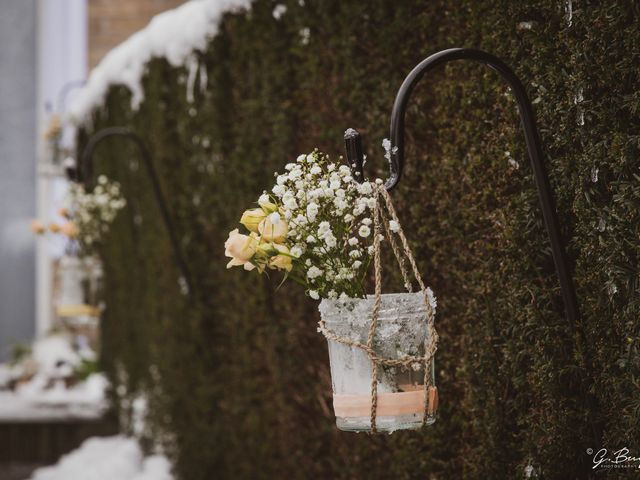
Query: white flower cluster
column 330, row 223
column 93, row 212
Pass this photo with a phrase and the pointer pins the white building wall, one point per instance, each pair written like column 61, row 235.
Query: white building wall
column 62, row 65
column 17, row 170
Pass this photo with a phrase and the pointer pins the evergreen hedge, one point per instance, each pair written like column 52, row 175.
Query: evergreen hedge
column 237, row 377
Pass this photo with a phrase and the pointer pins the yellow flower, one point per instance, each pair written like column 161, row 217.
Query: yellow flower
column 54, row 129
column 69, row 229
column 54, row 227
column 268, row 207
column 273, row 228
column 252, row 218
column 37, row 227
column 275, row 256
column 281, row 262
column 241, row 249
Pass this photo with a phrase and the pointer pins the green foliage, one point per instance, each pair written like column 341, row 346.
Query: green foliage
column 19, row 351
column 237, row 376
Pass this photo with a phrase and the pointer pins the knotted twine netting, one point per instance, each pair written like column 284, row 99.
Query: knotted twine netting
column 401, row 252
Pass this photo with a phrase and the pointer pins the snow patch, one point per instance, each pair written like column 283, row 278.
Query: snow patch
column 174, row 35
column 107, row 458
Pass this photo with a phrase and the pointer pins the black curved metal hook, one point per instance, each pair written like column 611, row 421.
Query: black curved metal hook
column 396, row 163
column 549, row 213
column 86, row 175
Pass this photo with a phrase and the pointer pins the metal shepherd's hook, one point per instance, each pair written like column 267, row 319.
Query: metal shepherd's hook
column 86, row 174
column 353, row 146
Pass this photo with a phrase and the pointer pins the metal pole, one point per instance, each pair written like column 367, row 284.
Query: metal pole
column 86, row 174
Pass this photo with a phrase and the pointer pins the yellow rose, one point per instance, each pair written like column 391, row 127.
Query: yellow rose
column 54, row 129
column 69, row 229
column 273, row 228
column 241, row 249
column 274, row 256
column 252, row 218
column 268, row 207
column 281, row 262
column 38, row 227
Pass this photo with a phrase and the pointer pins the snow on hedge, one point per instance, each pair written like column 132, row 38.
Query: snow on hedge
column 174, row 35
column 107, row 458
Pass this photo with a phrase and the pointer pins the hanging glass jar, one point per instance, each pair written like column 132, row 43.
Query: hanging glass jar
column 78, row 289
column 402, row 399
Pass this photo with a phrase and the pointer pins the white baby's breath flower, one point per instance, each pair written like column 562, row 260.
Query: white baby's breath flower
column 311, row 158
column 366, row 221
column 323, row 228
column 340, row 204
column 371, row 203
column 301, row 158
column 290, row 203
column 365, row 188
column 394, row 226
column 264, row 198
column 296, row 251
column 311, row 239
column 348, row 218
column 352, row 241
column 289, row 166
column 364, row 231
column 278, row 190
column 357, row 264
column 315, row 170
column 312, row 211
column 370, row 249
column 355, row 253
column 314, row 294
column 332, row 294
column 330, row 240
column 343, row 296
column 314, row 272
column 331, row 167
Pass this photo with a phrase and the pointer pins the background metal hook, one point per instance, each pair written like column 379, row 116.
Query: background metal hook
column 86, row 176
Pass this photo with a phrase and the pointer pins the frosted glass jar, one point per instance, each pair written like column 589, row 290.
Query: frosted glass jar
column 78, row 284
column 401, row 331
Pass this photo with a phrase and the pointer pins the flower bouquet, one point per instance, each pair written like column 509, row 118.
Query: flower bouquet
column 323, row 229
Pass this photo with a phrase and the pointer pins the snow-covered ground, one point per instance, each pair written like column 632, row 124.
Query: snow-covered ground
column 43, row 390
column 30, row 403
column 107, row 458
